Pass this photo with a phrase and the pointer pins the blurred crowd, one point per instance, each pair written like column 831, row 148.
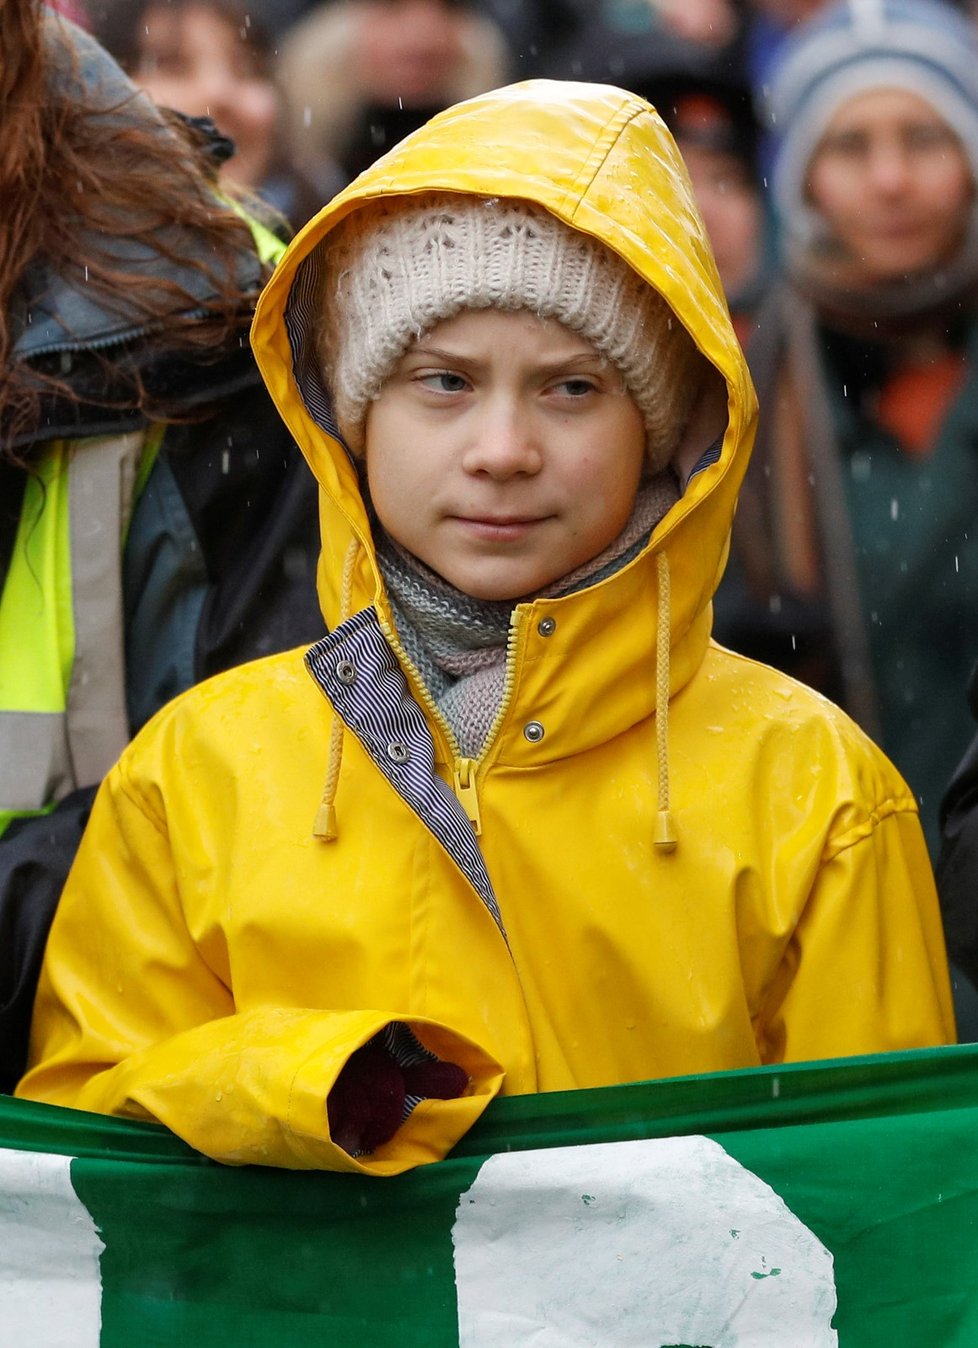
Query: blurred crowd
column 311, row 93
column 854, row 311
column 833, row 151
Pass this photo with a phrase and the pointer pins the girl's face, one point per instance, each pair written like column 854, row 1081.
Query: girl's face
column 504, row 452
column 194, row 60
column 893, row 184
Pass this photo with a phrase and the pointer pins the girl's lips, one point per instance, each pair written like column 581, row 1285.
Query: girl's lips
column 504, row 528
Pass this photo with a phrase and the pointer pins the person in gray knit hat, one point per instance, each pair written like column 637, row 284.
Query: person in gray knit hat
column 918, row 47
column 859, row 511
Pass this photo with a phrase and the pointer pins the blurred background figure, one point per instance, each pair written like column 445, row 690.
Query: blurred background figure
column 856, row 532
column 214, row 58
column 693, row 72
column 359, row 75
column 711, row 115
column 157, row 524
column 688, row 61
column 770, row 24
column 605, row 39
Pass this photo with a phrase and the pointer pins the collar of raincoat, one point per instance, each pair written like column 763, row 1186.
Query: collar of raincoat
column 601, row 160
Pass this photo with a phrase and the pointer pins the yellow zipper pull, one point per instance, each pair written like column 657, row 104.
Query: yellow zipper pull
column 465, row 790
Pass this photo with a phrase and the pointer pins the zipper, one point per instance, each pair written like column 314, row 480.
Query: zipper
column 464, row 769
column 463, row 782
column 509, row 680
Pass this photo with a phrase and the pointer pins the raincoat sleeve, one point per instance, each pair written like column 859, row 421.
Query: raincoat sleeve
column 136, row 1017
column 865, row 970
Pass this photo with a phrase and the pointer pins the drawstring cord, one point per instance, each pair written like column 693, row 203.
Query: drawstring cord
column 324, row 827
column 665, row 828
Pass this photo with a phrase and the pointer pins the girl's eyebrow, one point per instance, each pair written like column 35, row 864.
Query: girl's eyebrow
column 576, row 358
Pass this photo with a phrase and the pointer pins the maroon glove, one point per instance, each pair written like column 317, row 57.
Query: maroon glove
column 366, row 1105
column 435, row 1080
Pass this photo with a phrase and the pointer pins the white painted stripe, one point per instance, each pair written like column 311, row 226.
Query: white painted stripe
column 633, row 1244
column 50, row 1287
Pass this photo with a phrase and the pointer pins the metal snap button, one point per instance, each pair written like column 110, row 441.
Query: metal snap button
column 346, row 672
column 547, row 627
column 533, row 731
column 398, row 752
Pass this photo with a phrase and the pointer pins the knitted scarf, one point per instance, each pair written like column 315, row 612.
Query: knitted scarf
column 880, row 311
column 458, row 644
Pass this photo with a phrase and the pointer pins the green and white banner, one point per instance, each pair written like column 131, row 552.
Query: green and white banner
column 801, row 1207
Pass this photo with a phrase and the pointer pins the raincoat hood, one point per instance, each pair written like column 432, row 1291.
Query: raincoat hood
column 601, row 161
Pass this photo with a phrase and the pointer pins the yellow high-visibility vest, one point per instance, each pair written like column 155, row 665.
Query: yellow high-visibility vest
column 63, row 718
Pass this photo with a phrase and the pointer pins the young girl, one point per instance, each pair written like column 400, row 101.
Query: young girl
column 515, row 823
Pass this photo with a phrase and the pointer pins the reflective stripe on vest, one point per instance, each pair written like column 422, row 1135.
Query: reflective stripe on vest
column 63, row 718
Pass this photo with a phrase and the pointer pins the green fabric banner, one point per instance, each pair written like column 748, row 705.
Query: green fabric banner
column 820, row 1204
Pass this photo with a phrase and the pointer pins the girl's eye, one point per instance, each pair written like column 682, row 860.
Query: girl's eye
column 575, row 388
column 444, row 381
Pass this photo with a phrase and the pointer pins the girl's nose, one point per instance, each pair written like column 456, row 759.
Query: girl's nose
column 504, row 445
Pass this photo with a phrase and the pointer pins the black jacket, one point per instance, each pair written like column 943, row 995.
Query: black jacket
column 957, row 864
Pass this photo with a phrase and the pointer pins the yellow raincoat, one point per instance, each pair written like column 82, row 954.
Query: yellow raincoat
column 740, row 879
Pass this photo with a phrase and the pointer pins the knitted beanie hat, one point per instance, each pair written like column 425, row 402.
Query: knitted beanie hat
column 399, row 267
column 922, row 46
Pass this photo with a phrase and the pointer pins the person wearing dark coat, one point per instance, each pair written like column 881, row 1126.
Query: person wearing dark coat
column 957, row 879
column 856, row 529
